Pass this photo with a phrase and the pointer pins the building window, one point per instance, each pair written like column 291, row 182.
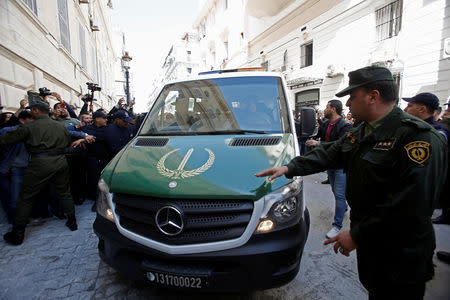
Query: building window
column 389, row 20
column 82, row 46
column 32, row 5
column 306, row 54
column 64, row 31
column 94, row 63
column 189, row 52
column 309, row 98
column 189, row 70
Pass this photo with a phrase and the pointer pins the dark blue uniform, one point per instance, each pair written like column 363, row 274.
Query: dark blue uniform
column 117, row 137
column 98, row 156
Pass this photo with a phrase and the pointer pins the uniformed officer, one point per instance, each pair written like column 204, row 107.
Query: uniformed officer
column 396, row 166
column 45, row 141
column 423, row 106
column 120, row 132
column 98, row 153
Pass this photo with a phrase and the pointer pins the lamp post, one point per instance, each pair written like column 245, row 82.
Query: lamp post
column 126, row 65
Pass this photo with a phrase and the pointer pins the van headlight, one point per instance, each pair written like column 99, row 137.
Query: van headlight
column 103, row 208
column 283, row 208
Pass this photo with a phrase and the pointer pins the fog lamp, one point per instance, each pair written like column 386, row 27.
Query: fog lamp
column 265, row 225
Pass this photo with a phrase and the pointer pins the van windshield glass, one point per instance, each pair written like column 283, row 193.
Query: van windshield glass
column 245, row 105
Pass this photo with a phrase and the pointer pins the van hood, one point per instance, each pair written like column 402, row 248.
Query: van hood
column 199, row 167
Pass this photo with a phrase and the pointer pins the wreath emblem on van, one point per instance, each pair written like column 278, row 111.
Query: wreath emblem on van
column 180, row 172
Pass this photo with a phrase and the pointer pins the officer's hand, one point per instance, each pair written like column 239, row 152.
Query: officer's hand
column 343, row 243
column 57, row 96
column 77, row 143
column 23, row 103
column 312, row 143
column 275, row 172
column 89, row 139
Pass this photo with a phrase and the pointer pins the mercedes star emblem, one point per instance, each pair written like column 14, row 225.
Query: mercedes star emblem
column 169, row 220
column 172, row 184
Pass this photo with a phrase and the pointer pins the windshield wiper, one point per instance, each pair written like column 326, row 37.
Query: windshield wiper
column 237, row 131
column 176, row 133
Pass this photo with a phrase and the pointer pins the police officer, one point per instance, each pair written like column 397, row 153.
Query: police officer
column 45, row 141
column 98, row 154
column 395, row 166
column 423, row 106
column 120, row 132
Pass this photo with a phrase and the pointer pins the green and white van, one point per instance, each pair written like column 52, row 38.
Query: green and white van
column 180, row 206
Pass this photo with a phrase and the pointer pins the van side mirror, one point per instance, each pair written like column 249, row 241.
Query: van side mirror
column 308, row 121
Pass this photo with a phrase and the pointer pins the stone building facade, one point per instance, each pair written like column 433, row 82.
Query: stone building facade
column 58, row 44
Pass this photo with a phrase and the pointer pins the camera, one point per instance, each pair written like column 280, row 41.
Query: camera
column 44, row 92
column 88, row 98
column 93, row 86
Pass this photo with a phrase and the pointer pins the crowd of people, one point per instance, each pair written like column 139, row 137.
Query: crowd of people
column 51, row 158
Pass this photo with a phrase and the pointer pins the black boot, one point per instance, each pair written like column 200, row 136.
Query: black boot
column 72, row 222
column 15, row 237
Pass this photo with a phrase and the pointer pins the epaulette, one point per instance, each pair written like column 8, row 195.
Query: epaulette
column 416, row 123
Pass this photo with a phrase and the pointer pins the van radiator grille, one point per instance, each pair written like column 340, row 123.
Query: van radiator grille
column 152, row 142
column 254, row 141
column 204, row 220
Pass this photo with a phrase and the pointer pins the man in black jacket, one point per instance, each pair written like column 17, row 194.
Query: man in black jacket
column 331, row 130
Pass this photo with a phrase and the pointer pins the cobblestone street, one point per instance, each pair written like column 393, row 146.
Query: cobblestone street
column 54, row 262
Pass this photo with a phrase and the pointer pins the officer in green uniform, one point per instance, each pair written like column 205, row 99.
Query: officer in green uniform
column 395, row 166
column 45, row 141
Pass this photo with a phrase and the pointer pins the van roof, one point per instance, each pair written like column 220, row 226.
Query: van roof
column 227, row 74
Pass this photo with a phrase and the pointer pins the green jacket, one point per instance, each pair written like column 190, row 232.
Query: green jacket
column 41, row 136
column 394, row 177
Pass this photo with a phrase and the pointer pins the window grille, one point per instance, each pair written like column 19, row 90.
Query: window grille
column 64, row 31
column 308, row 98
column 389, row 20
column 306, row 55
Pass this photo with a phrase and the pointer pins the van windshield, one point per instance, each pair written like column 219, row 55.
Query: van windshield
column 219, row 106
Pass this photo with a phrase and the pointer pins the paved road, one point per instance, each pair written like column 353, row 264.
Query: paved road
column 56, row 263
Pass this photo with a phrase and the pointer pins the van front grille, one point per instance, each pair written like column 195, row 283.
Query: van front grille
column 254, row 141
column 207, row 220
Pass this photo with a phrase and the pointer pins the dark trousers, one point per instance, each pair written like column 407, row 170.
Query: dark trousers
column 410, row 292
column 41, row 171
column 94, row 170
column 77, row 170
column 379, row 277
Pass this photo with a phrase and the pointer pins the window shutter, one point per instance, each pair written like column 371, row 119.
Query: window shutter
column 94, row 63
column 64, row 24
column 82, row 46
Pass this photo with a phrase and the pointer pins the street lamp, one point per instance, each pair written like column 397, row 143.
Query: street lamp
column 126, row 65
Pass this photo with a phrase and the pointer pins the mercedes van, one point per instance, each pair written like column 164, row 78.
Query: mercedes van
column 180, row 207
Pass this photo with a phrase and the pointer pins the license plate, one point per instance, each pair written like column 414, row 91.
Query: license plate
column 173, row 280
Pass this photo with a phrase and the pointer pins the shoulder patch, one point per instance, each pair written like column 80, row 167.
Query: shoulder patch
column 418, row 151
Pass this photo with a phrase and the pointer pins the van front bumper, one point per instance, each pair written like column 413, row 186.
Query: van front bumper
column 265, row 261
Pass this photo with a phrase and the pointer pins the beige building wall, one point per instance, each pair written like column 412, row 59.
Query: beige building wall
column 32, row 54
column 344, row 37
